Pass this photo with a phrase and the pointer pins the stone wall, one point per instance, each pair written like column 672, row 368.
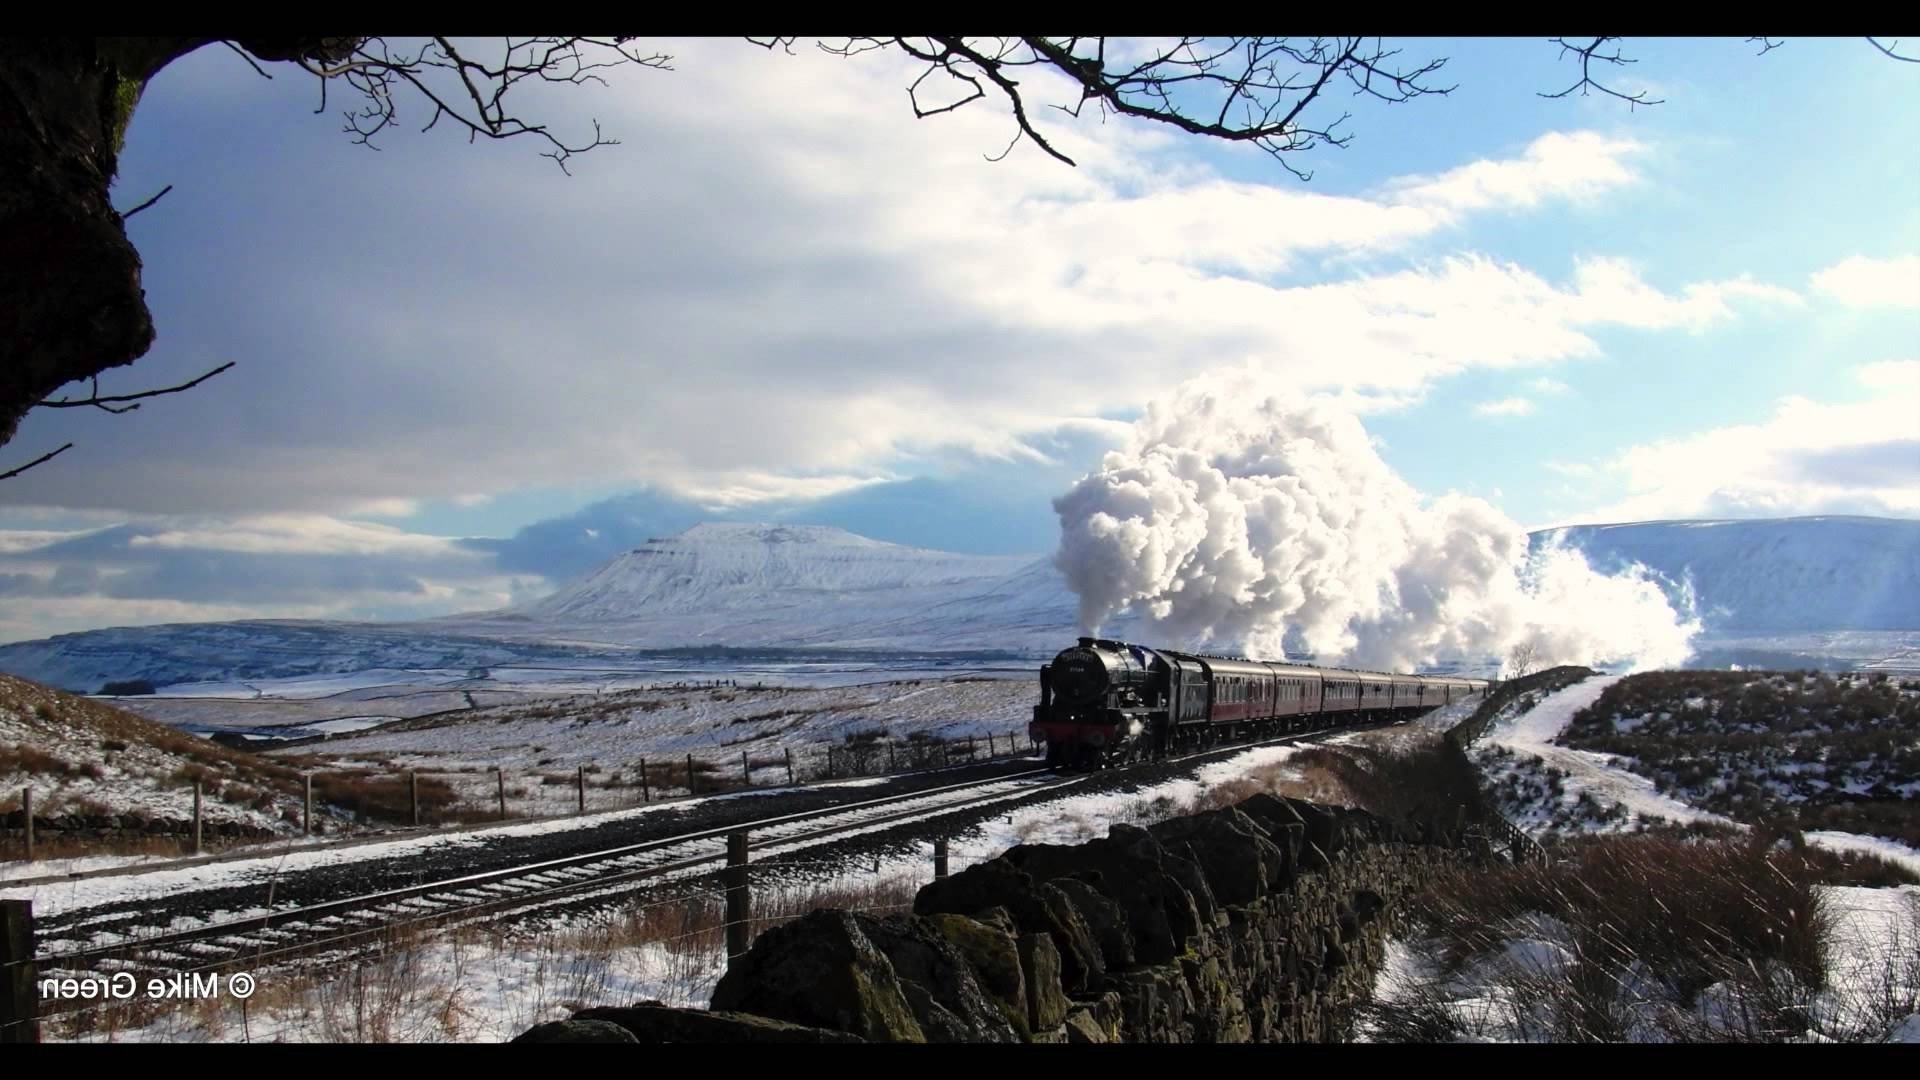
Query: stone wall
column 1263, row 922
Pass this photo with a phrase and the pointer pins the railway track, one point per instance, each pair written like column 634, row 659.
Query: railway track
column 333, row 929
column 75, row 949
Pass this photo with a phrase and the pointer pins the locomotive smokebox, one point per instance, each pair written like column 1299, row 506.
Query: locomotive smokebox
column 1090, row 671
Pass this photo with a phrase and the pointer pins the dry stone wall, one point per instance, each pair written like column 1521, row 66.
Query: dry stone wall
column 1262, row 922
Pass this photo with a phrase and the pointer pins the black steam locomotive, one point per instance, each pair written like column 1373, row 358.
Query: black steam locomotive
column 1110, row 703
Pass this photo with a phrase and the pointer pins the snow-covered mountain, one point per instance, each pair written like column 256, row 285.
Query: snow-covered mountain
column 788, row 587
column 1778, row 575
column 756, row 585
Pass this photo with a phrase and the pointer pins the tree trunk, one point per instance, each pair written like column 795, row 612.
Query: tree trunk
column 71, row 305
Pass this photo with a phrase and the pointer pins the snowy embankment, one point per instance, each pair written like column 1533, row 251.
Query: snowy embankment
column 1610, row 783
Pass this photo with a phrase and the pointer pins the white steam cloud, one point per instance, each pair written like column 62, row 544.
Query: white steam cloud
column 1241, row 517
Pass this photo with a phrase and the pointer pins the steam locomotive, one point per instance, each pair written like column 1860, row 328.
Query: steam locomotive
column 1111, row 703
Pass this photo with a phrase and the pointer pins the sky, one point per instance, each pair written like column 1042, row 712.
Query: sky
column 463, row 376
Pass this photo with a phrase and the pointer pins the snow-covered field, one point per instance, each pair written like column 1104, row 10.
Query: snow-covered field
column 610, row 735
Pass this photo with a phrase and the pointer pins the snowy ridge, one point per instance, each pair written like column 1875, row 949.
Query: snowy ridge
column 1790, row 574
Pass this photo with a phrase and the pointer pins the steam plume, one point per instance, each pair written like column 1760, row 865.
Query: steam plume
column 1244, row 518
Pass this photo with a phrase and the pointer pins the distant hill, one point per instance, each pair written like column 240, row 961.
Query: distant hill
column 798, row 587
column 1777, row 575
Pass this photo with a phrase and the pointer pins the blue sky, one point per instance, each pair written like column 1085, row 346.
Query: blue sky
column 463, row 376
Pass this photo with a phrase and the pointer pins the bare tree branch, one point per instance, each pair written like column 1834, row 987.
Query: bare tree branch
column 1588, row 54
column 1889, row 50
column 41, row 460
column 1767, row 44
column 108, row 403
column 1257, row 90
column 146, row 204
column 455, row 83
column 251, row 62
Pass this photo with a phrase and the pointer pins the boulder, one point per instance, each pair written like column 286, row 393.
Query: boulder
column 576, row 1030
column 992, row 950
column 1046, row 1003
column 1034, row 908
column 821, row 970
column 1240, row 862
column 939, row 983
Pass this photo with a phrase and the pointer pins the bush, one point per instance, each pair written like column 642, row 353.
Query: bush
column 130, row 688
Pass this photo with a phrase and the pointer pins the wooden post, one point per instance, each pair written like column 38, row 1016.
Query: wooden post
column 306, row 812
column 500, row 786
column 789, row 751
column 19, row 998
column 746, row 770
column 646, row 793
column 830, row 762
column 939, row 858
column 690, row 787
column 739, row 904
column 890, row 755
column 413, row 794
column 581, row 773
column 26, row 807
column 970, row 748
column 196, row 817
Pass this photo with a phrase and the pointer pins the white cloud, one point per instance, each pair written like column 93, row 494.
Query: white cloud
column 1545, row 385
column 1891, row 375
column 1809, row 457
column 1864, row 282
column 1557, row 165
column 1512, row 406
column 299, row 534
column 783, row 278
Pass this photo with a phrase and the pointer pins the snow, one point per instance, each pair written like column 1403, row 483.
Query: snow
column 1588, row 772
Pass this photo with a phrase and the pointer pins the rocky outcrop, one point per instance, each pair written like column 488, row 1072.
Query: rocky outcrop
column 1263, row 922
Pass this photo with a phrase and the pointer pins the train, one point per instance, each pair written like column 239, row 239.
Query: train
column 1110, row 703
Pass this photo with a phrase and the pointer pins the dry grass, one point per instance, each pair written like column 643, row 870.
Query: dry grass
column 1649, row 936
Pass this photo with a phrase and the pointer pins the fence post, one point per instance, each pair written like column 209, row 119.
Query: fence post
column 413, row 795
column 789, row 751
column 306, row 812
column 196, row 817
column 690, row 787
column 19, row 998
column 646, row 793
column 971, row 749
column 939, row 858
column 830, row 773
column 890, row 755
column 746, row 770
column 500, row 787
column 739, row 904
column 581, row 773
column 26, row 807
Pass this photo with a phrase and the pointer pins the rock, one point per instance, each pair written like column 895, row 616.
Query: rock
column 1034, row 908
column 939, row 983
column 820, row 970
column 1081, row 1028
column 1106, row 922
column 1130, row 868
column 653, row 1022
column 1321, row 825
column 991, row 950
column 1046, row 1002
column 1241, row 864
column 576, row 1030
